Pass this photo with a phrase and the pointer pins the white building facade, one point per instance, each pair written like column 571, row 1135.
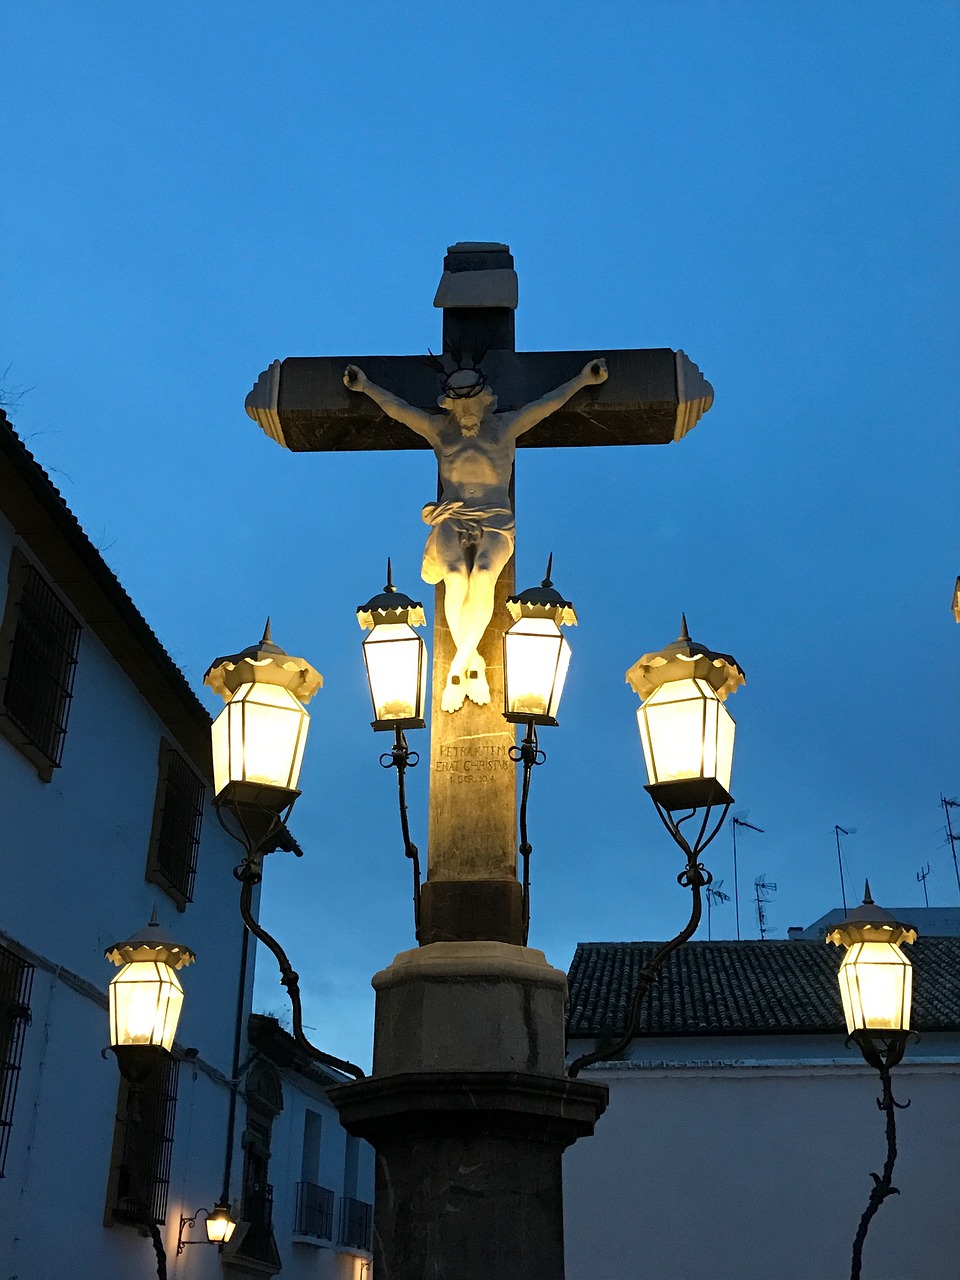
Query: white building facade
column 741, row 1132
column 105, row 816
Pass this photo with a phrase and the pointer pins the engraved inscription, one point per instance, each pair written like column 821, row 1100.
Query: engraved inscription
column 472, row 762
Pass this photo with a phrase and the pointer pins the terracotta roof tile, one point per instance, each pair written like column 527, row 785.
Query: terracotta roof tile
column 745, row 988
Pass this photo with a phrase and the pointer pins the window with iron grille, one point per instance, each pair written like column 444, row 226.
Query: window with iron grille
column 41, row 639
column 356, row 1223
column 177, row 816
column 314, row 1211
column 16, row 980
column 141, row 1177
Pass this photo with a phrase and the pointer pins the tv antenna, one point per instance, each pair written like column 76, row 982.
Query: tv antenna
column 716, row 895
column 763, row 889
column 922, row 878
column 739, row 822
column 843, row 831
column 947, row 806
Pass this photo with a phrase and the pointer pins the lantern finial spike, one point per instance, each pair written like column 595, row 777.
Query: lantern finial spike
column 867, row 899
column 546, row 581
column 684, row 633
column 389, row 586
column 267, row 637
column 154, row 922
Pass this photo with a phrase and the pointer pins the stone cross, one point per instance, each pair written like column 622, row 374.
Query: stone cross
column 651, row 397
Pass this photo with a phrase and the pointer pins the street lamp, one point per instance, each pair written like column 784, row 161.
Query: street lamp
column 535, row 654
column 536, row 658
column 259, row 737
column 395, row 658
column 145, row 999
column 258, row 742
column 876, row 984
column 218, row 1222
column 687, row 737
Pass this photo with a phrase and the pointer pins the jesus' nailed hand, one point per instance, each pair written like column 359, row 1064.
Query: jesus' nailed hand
column 472, row 525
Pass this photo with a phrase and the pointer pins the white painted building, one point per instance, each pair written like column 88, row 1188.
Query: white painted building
column 741, row 1132
column 105, row 815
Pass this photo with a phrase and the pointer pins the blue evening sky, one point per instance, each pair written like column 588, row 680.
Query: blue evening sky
column 191, row 190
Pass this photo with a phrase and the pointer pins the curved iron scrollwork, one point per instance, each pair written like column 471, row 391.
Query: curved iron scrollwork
column 694, row 877
column 258, row 832
column 402, row 758
column 529, row 754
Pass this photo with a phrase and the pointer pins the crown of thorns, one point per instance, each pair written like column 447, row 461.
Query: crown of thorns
column 463, row 381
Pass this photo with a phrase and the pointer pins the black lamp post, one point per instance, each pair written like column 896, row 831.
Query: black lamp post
column 876, row 984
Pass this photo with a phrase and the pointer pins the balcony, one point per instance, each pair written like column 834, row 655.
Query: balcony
column 356, row 1223
column 314, row 1211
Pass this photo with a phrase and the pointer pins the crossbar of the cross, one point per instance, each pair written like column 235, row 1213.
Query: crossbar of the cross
column 652, row 396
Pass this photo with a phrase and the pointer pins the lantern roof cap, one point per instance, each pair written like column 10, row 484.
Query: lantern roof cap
column 263, row 663
column 686, row 659
column 543, row 602
column 390, row 606
column 150, row 943
column 870, row 923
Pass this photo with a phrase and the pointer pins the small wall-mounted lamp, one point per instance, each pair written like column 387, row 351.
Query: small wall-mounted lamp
column 219, row 1224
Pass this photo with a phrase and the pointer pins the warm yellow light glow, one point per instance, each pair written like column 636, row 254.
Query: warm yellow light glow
column 145, row 1002
column 394, row 657
column 876, row 983
column 259, row 736
column 686, row 732
column 220, row 1226
column 536, row 659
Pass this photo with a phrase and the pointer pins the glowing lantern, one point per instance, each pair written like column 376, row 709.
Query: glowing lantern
column 220, row 1225
column 535, row 654
column 686, row 732
column 395, row 658
column 145, row 998
column 876, row 978
column 259, row 737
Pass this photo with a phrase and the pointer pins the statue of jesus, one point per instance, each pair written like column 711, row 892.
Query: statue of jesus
column 472, row 524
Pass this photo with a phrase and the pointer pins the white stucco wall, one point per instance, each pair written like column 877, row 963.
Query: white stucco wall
column 762, row 1169
column 73, row 854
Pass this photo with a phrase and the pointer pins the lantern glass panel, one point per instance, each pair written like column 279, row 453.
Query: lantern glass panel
column 536, row 659
column 876, row 983
column 145, row 1002
column 219, row 1226
column 686, row 732
column 396, row 671
column 259, row 736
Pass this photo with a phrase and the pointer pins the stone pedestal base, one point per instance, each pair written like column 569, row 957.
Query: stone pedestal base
column 469, row 1111
column 469, row 1180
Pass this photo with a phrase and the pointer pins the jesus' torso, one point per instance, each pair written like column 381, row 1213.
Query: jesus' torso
column 476, row 469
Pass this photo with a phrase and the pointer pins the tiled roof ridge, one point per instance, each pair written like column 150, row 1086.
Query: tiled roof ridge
column 747, row 986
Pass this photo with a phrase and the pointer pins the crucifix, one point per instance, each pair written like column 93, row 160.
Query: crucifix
column 492, row 399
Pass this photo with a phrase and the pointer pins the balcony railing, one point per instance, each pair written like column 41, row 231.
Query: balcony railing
column 314, row 1211
column 356, row 1223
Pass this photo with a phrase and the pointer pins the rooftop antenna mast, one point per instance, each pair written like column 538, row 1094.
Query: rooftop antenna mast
column 716, row 895
column 843, row 831
column 739, row 822
column 947, row 806
column 922, row 878
column 763, row 889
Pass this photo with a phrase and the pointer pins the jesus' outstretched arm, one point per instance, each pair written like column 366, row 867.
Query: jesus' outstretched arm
column 590, row 375
column 416, row 419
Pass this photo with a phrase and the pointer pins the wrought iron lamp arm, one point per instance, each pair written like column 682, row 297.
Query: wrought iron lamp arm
column 290, row 979
column 883, row 1061
column 402, row 758
column 528, row 754
column 696, row 878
